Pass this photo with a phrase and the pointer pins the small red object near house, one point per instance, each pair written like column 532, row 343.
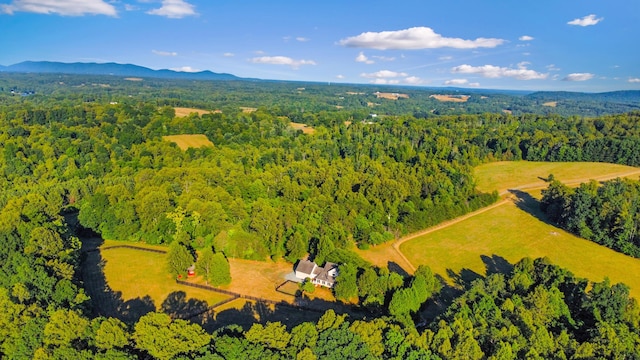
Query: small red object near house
column 191, row 271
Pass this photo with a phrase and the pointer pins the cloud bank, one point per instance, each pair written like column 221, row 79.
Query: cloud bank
column 164, row 53
column 585, row 21
column 60, row 7
column 578, row 77
column 388, row 77
column 281, row 60
column 174, row 9
column 414, row 39
column 491, row 71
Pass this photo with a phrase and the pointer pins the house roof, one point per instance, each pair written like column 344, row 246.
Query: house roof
column 305, row 266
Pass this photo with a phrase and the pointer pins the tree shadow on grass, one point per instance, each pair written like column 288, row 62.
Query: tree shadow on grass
column 396, row 268
column 105, row 301
column 462, row 281
column 178, row 306
column 527, row 203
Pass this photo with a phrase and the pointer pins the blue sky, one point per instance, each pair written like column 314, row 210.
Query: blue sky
column 576, row 45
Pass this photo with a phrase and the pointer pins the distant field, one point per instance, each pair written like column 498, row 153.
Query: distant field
column 137, row 273
column 305, row 129
column 391, row 96
column 247, row 109
column 451, row 98
column 517, row 174
column 189, row 140
column 551, row 103
column 183, row 111
column 511, row 233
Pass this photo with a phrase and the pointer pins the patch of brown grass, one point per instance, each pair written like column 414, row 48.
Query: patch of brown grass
column 391, row 96
column 450, row 98
column 551, row 103
column 183, row 111
column 247, row 110
column 186, row 141
column 305, row 129
column 133, row 79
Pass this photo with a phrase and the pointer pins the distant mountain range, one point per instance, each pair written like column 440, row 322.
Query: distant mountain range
column 112, row 69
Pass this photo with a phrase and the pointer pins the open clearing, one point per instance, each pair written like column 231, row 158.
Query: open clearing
column 186, row 141
column 550, row 103
column 451, row 98
column 305, row 129
column 512, row 233
column 136, row 274
column 247, row 110
column 391, row 96
column 183, row 111
column 506, row 175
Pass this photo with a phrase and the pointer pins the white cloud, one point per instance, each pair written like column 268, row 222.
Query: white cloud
column 474, row 84
column 445, row 58
column 456, row 82
column 382, row 74
column 60, row 7
column 363, row 58
column 164, row 53
column 174, row 9
column 578, row 77
column 388, row 77
column 129, row 7
column 413, row 80
column 525, row 38
column 413, row 39
column 585, row 21
column 228, row 54
column 491, row 71
column 340, row 76
column 281, row 60
column 302, row 39
column 186, row 69
column 552, row 67
column 634, row 80
column 384, row 58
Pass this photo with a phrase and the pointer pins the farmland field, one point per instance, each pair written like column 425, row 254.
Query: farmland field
column 506, row 175
column 183, row 111
column 305, row 129
column 511, row 233
column 189, row 140
column 136, row 274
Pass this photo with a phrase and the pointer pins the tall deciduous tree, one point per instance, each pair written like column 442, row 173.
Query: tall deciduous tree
column 220, row 270
column 179, row 258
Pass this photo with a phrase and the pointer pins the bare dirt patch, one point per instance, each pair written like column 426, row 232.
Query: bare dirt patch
column 451, row 98
column 133, row 79
column 391, row 96
column 305, row 129
column 551, row 103
column 186, row 141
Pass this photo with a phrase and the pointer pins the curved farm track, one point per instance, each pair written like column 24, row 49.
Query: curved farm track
column 507, row 197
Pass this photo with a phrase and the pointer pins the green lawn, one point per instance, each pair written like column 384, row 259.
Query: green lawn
column 505, row 175
column 511, row 233
column 137, row 273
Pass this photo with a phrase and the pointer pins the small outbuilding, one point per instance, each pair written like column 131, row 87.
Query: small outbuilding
column 191, row 271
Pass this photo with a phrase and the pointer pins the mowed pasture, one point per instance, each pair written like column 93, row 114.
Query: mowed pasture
column 136, row 274
column 517, row 229
column 450, row 98
column 505, row 175
column 508, row 232
column 183, row 111
column 186, row 141
column 305, row 129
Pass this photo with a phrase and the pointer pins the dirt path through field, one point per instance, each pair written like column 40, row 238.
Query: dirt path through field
column 507, row 199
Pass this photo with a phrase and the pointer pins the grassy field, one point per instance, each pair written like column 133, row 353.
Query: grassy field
column 183, row 111
column 505, row 175
column 136, row 274
column 511, row 233
column 189, row 140
column 305, row 129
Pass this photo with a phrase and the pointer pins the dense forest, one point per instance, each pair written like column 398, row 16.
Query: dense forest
column 606, row 214
column 77, row 147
